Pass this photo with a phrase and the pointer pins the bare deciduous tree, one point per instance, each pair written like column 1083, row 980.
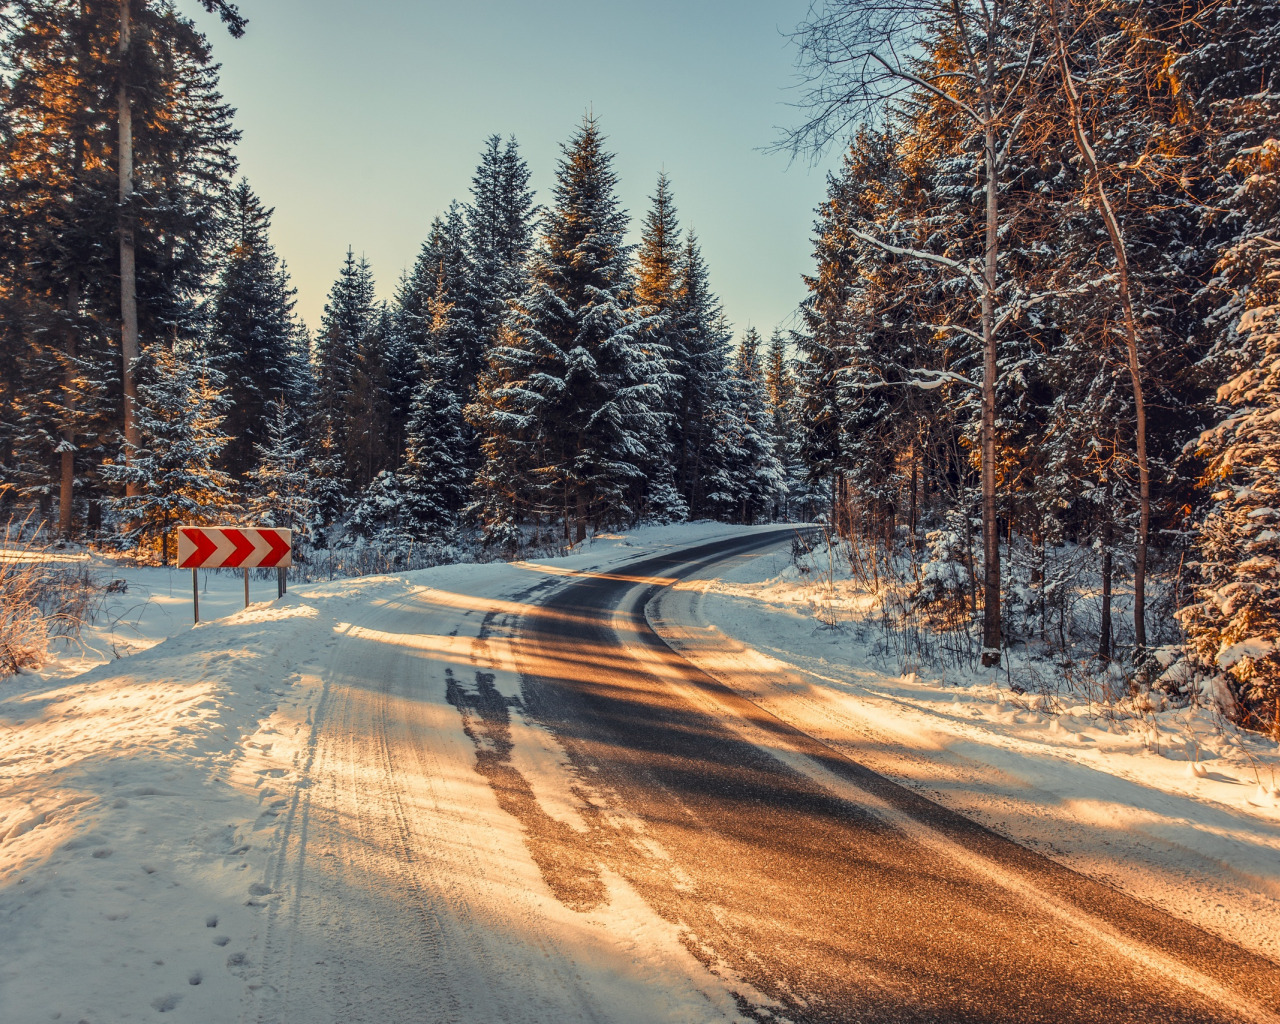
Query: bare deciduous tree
column 860, row 59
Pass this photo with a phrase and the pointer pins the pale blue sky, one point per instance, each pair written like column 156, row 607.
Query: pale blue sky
column 361, row 121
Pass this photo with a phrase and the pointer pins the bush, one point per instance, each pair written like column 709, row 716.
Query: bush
column 40, row 598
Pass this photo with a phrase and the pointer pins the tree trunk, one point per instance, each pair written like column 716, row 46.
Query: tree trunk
column 1131, row 333
column 991, row 638
column 915, row 484
column 128, row 275
column 66, row 491
column 1104, row 634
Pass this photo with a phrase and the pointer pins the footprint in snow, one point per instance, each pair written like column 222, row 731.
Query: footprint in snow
column 163, row 1004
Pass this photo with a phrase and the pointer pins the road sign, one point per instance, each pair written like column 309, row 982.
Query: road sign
column 228, row 547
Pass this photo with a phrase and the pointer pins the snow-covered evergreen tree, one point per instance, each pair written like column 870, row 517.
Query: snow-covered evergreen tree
column 499, row 237
column 436, row 474
column 349, row 317
column 254, row 338
column 371, row 435
column 330, row 484
column 658, row 261
column 379, row 514
column 750, row 480
column 702, row 386
column 782, row 393
column 282, row 490
column 441, row 277
column 1234, row 624
column 575, row 396
column 182, row 404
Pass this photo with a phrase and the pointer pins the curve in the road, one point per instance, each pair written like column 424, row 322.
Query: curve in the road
column 859, row 901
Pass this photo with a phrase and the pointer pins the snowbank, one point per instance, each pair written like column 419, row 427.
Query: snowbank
column 143, row 802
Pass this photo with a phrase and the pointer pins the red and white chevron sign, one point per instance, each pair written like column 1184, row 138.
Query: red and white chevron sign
column 227, row 547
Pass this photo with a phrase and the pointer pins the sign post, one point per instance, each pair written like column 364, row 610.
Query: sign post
column 234, row 547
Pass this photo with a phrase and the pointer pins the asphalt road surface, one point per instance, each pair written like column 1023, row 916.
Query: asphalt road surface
column 828, row 892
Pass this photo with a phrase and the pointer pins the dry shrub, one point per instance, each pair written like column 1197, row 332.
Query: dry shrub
column 40, row 599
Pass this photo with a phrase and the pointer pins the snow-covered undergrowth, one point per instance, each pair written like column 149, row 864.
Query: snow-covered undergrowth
column 1169, row 801
column 145, row 772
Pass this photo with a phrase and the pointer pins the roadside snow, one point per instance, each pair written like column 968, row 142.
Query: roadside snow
column 1172, row 806
column 147, row 806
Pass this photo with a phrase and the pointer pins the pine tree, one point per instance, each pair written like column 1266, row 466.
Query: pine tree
column 253, row 335
column 436, row 474
column 348, row 319
column 331, row 486
column 701, row 385
column 441, row 276
column 61, row 197
column 657, row 294
column 175, row 469
column 499, row 237
column 1234, row 623
column 781, row 393
column 283, row 492
column 658, row 258
column 749, row 480
column 575, row 396
column 369, row 404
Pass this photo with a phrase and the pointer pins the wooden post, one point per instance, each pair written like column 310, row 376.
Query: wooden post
column 195, row 593
column 246, row 588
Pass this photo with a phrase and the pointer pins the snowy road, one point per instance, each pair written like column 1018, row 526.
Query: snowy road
column 519, row 805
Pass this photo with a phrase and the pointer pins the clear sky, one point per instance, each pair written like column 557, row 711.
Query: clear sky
column 362, row 120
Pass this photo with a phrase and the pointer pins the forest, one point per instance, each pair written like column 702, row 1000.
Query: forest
column 534, row 373
column 1033, row 391
column 1039, row 355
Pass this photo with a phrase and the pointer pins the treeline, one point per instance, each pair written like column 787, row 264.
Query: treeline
column 534, row 374
column 1044, row 320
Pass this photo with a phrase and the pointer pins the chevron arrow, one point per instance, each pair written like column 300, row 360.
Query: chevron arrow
column 241, row 548
column 280, row 553
column 194, row 547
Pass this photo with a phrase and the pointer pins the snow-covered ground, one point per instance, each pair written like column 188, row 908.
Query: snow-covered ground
column 151, row 783
column 1173, row 806
column 156, row 779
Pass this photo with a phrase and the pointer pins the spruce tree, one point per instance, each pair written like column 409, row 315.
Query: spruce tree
column 701, row 386
column 657, row 293
column 253, row 334
column 63, row 213
column 499, row 237
column 750, row 479
column 576, row 397
column 436, row 472
column 370, row 438
column 781, row 393
column 349, row 318
column 175, row 469
column 282, row 491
